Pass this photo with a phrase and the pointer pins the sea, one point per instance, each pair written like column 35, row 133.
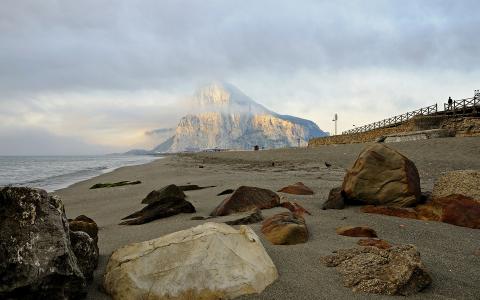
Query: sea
column 56, row 172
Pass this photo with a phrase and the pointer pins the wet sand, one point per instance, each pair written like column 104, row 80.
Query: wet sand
column 446, row 250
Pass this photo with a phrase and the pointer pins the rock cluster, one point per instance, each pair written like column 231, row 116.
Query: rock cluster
column 210, row 261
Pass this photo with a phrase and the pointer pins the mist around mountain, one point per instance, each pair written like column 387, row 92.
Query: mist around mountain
column 226, row 118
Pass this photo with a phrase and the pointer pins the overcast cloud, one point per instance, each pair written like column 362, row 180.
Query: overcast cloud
column 106, row 72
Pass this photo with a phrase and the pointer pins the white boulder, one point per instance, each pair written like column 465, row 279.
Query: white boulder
column 210, row 261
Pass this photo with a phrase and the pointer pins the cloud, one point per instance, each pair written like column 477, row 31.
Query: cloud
column 108, row 71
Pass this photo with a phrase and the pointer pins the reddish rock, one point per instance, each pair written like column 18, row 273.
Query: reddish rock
column 285, row 229
column 454, row 209
column 382, row 176
column 381, row 244
column 356, row 231
column 297, row 189
column 295, row 208
column 390, row 211
column 246, row 198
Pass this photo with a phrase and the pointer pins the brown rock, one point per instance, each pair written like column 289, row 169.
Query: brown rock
column 335, row 199
column 382, row 176
column 160, row 209
column 356, row 231
column 295, row 208
column 454, row 209
column 297, row 189
column 285, row 229
column 169, row 191
column 461, row 182
column 246, row 198
column 394, row 271
column 253, row 218
column 381, row 244
column 390, row 211
column 85, row 224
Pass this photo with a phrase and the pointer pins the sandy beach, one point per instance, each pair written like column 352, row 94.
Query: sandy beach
column 446, row 250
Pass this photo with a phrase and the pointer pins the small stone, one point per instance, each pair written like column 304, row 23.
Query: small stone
column 297, row 189
column 253, row 218
column 356, row 231
column 335, row 199
column 381, row 244
column 285, row 229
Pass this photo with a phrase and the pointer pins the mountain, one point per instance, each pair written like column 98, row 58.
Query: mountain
column 227, row 118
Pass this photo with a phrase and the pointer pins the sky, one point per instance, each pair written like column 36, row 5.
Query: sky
column 99, row 76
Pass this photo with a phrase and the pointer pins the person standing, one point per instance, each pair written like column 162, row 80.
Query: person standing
column 450, row 102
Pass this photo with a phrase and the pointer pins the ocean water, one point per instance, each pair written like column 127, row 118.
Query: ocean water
column 55, row 172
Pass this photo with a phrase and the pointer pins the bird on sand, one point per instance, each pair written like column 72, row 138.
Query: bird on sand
column 328, row 165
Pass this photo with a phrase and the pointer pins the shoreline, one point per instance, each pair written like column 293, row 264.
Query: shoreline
column 446, row 249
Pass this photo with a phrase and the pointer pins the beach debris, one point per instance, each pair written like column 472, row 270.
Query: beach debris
column 382, row 176
column 219, row 261
column 115, row 184
column 327, row 164
column 36, row 257
column 356, row 231
column 201, row 167
column 335, row 199
column 294, row 208
column 193, row 187
column 394, row 271
column 461, row 182
column 297, row 189
column 285, row 229
column 381, row 244
column 390, row 211
column 165, row 193
column 246, row 198
column 253, row 218
column 226, row 192
column 454, row 209
column 163, row 208
column 86, row 252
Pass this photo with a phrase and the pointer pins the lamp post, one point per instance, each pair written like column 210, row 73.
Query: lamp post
column 335, row 119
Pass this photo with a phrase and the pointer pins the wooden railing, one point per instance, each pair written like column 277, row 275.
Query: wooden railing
column 462, row 106
column 394, row 121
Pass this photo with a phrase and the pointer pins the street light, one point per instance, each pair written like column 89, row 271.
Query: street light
column 335, row 118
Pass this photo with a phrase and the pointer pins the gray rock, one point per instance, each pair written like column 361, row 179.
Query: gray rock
column 86, row 252
column 36, row 257
column 335, row 199
column 394, row 271
column 167, row 192
column 253, row 218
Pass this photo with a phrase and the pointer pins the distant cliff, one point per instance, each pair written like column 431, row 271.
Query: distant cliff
column 227, row 118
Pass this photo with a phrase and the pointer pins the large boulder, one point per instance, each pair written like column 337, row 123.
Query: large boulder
column 297, row 189
column 394, row 271
column 165, row 193
column 382, row 176
column 210, row 261
column 246, row 198
column 36, row 257
column 285, row 229
column 461, row 182
column 163, row 208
